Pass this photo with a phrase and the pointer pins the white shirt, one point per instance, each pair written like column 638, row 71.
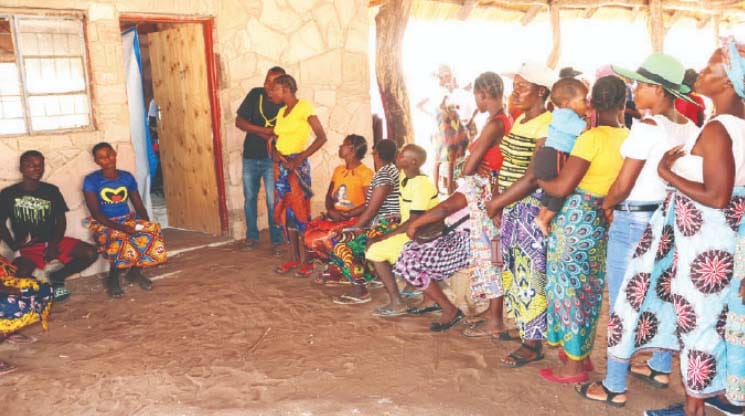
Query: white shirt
column 649, row 143
column 691, row 166
column 462, row 100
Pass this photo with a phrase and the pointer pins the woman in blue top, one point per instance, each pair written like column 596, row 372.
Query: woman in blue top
column 128, row 240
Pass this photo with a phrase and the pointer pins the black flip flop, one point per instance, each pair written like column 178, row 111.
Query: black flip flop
column 609, row 395
column 442, row 327
column 521, row 361
column 651, row 377
column 421, row 311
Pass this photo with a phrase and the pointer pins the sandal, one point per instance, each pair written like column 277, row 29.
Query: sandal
column 60, row 294
column 385, row 312
column 6, row 367
column 408, row 294
column 474, row 320
column 548, row 374
column 351, row 300
column 588, row 365
column 444, row 326
column 286, row 267
column 305, row 270
column 505, row 335
column 477, row 331
column 519, row 360
column 609, row 395
column 20, row 339
column 651, row 378
column 422, row 310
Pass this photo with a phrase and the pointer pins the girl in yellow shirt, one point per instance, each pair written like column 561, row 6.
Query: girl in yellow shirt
column 292, row 185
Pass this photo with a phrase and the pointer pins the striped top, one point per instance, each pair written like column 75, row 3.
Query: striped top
column 518, row 146
column 387, row 175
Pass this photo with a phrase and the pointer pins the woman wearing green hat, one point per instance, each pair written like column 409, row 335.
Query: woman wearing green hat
column 633, row 198
column 679, row 286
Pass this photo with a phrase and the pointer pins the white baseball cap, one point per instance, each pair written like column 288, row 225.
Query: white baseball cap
column 536, row 73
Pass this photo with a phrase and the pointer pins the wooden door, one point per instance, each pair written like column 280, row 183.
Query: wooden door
column 180, row 87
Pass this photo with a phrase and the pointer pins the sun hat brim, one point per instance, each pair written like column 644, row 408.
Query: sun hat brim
column 634, row 75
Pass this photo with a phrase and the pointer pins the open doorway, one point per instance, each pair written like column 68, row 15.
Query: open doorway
column 178, row 139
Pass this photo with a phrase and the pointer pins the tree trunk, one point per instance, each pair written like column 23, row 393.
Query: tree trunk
column 390, row 25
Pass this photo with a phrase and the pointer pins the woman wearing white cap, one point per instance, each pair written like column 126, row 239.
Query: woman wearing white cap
column 524, row 247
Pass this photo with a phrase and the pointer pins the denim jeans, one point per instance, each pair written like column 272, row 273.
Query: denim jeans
column 624, row 233
column 253, row 171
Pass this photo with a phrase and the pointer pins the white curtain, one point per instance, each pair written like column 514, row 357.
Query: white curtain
column 137, row 115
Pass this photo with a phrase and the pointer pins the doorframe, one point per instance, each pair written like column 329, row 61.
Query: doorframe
column 208, row 25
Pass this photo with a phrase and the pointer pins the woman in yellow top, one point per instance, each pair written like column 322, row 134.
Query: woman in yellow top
column 575, row 263
column 292, row 191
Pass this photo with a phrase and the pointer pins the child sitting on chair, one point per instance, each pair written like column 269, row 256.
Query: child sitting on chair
column 128, row 240
column 570, row 98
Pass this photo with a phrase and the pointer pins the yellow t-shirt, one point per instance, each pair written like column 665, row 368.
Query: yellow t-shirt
column 601, row 147
column 293, row 130
column 417, row 194
column 348, row 191
column 518, row 145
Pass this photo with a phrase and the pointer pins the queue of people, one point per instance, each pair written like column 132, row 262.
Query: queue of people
column 543, row 210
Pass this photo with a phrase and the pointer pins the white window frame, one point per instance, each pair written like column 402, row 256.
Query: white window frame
column 20, row 63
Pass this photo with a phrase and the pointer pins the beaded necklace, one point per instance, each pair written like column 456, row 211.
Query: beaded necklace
column 267, row 122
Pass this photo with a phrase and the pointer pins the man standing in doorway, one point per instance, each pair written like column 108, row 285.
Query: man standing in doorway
column 256, row 113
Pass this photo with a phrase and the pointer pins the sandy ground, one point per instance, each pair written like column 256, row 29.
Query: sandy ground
column 222, row 335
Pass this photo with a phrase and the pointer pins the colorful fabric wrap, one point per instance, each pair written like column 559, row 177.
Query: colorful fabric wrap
column 145, row 248
column 524, row 270
column 347, row 257
column 576, row 273
column 675, row 292
column 292, row 193
column 32, row 305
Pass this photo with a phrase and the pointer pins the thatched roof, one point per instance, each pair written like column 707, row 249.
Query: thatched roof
column 705, row 12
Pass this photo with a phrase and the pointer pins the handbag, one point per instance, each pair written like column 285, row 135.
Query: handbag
column 435, row 230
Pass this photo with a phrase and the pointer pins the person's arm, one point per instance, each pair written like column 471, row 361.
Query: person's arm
column 379, row 194
column 248, row 127
column 491, row 135
column 719, row 168
column 244, row 112
column 318, row 142
column 4, row 215
column 453, row 204
column 523, row 187
column 624, row 182
column 134, row 195
column 359, row 209
column 331, row 211
column 568, row 179
column 92, row 203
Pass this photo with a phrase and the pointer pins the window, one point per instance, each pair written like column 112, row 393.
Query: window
column 44, row 84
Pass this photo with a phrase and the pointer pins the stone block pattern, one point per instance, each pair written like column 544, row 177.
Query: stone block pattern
column 322, row 43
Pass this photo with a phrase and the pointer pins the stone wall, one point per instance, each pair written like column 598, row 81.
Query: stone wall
column 323, row 43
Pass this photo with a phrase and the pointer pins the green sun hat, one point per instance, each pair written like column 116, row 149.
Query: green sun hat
column 659, row 69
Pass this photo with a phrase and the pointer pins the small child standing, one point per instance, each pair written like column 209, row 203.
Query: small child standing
column 568, row 121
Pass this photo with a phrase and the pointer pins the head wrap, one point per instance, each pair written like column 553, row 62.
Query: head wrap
column 735, row 67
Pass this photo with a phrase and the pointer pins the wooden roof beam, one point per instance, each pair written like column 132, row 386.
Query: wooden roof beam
column 656, row 24
column 530, row 14
column 466, row 9
column 589, row 13
column 553, row 58
column 703, row 22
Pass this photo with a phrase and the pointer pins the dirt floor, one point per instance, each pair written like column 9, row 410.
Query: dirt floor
column 222, row 335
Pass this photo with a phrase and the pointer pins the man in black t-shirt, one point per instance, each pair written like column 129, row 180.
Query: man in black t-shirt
column 37, row 218
column 256, row 116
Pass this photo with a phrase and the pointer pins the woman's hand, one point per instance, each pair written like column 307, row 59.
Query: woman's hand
column 411, row 230
column 493, row 210
column 335, row 215
column 668, row 160
column 294, row 163
column 609, row 215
